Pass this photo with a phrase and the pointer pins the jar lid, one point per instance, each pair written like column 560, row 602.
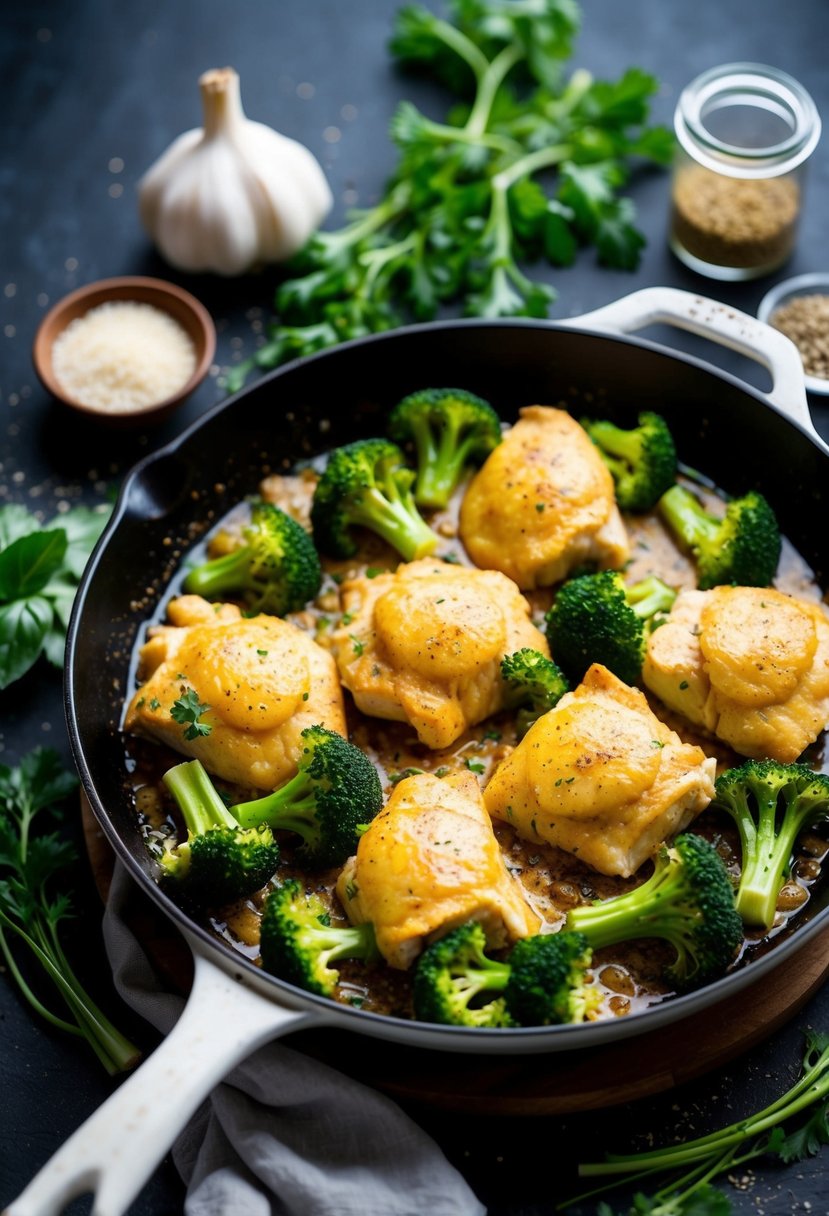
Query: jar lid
column 747, row 120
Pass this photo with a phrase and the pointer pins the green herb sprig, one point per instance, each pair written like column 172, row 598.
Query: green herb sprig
column 686, row 1170
column 40, row 567
column 32, row 907
column 188, row 711
column 528, row 165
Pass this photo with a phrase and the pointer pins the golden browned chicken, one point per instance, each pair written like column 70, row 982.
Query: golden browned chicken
column 429, row 862
column 263, row 680
column 543, row 503
column 601, row 777
column 424, row 645
column 748, row 664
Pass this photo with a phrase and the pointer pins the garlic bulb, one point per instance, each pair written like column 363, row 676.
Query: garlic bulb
column 234, row 194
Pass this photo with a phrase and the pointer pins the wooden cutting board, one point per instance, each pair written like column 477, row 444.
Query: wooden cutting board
column 520, row 1085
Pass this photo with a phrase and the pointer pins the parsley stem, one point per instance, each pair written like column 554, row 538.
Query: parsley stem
column 488, row 85
column 375, row 260
column 463, row 47
column 27, row 992
column 544, row 158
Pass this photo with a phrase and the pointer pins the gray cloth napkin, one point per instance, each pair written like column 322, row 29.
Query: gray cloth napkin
column 284, row 1135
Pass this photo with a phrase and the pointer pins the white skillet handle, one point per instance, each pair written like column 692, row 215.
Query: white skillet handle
column 720, row 323
column 116, row 1150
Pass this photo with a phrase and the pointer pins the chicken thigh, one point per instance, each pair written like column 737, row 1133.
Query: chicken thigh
column 429, row 862
column 748, row 664
column 261, row 679
column 543, row 503
column 601, row 777
column 424, row 645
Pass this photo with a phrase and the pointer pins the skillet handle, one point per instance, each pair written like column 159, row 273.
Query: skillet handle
column 116, row 1150
column 721, row 324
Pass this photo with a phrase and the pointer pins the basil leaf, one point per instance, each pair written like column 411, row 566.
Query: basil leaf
column 23, row 626
column 15, row 521
column 29, row 562
column 82, row 526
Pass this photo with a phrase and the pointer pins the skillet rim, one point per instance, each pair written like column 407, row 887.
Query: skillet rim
column 515, row 1040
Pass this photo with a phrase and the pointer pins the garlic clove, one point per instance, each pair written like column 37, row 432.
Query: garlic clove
column 233, row 194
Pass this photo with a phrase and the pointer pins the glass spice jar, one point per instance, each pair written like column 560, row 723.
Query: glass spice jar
column 745, row 133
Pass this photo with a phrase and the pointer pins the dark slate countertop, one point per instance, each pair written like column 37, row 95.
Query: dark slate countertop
column 96, row 92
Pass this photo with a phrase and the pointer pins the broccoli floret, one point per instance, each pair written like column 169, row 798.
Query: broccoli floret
column 743, row 547
column 274, row 569
column 642, row 461
column 541, row 984
column 687, row 901
column 595, row 618
column 534, row 685
column 220, row 862
column 298, row 942
column 770, row 803
column 450, row 429
column 366, row 484
column 335, row 792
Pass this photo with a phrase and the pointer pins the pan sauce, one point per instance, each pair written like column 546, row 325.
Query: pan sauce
column 628, row 976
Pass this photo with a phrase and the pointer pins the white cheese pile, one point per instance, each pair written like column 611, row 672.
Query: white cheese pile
column 122, row 356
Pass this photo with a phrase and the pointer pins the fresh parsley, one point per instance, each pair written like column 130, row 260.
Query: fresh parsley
column 187, row 710
column 686, row 1169
column 32, row 905
column 40, row 568
column 529, row 164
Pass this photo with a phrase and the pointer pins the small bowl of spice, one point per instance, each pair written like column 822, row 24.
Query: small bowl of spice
column 799, row 308
column 126, row 350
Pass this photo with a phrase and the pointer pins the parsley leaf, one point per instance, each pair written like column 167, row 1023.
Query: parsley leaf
column 187, row 710
column 528, row 163
column 32, row 907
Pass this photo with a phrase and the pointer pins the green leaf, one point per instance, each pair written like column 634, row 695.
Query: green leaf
column 807, row 1140
column 623, row 102
column 588, row 189
column 40, row 780
column 187, row 710
column 618, row 242
column 560, row 246
column 83, row 526
column 27, row 564
column 657, row 144
column 23, row 626
column 15, row 521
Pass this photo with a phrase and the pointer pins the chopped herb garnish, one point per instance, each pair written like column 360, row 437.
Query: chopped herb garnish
column 187, row 710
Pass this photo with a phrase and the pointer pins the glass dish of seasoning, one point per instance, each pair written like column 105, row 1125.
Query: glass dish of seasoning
column 745, row 134
column 799, row 307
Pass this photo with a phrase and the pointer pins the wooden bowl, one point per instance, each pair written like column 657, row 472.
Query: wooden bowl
column 184, row 308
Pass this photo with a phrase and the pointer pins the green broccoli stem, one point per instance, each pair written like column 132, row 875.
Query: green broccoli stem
column 291, row 807
column 686, row 517
column 485, row 975
column 650, row 596
column 649, row 910
column 440, row 464
column 349, row 941
column 197, row 798
column 219, row 575
column 394, row 516
column 767, row 850
column 627, row 445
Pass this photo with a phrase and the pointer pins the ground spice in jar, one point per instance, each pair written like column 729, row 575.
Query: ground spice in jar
column 734, row 222
column 123, row 355
column 805, row 319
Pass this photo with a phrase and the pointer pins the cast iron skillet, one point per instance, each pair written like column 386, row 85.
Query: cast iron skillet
column 738, row 436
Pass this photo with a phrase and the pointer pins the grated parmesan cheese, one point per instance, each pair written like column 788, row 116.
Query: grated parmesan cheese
column 122, row 356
